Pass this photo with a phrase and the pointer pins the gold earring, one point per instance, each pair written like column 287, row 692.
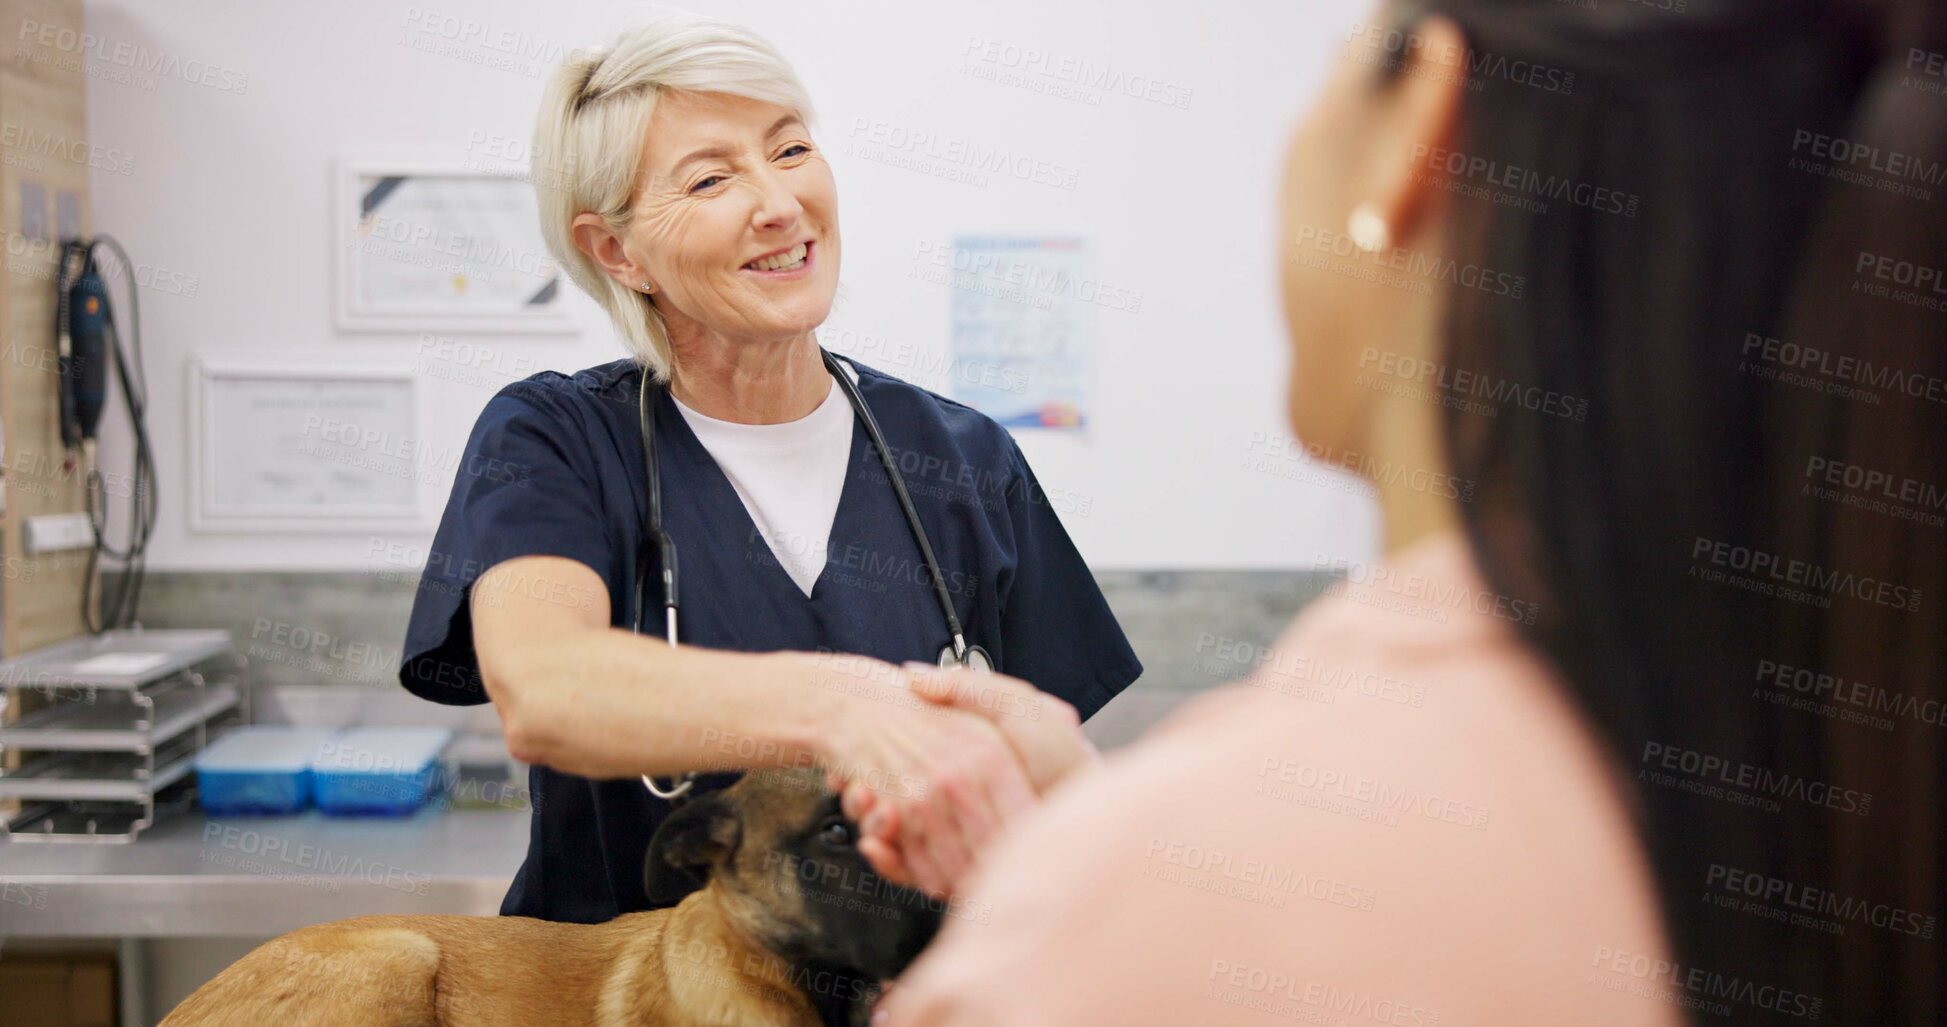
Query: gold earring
column 1368, row 229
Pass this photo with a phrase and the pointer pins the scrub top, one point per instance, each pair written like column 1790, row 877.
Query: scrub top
column 554, row 466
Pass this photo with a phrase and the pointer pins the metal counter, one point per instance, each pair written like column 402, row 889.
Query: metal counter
column 193, row 875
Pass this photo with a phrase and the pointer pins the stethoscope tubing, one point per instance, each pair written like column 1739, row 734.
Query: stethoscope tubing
column 958, row 652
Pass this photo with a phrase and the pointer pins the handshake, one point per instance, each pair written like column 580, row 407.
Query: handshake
column 935, row 763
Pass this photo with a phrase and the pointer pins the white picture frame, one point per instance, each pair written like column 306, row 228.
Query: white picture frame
column 279, row 448
column 442, row 246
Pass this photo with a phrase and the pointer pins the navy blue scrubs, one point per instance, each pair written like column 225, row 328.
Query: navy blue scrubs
column 554, row 467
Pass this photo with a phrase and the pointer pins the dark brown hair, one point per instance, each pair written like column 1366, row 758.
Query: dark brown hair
column 1731, row 218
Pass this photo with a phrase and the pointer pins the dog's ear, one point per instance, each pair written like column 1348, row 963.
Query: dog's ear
column 692, row 840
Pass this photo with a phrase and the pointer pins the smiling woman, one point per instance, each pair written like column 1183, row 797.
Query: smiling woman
column 681, row 187
column 679, row 127
column 735, row 234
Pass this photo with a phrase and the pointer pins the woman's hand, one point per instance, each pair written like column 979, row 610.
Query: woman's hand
column 929, row 784
column 1044, row 731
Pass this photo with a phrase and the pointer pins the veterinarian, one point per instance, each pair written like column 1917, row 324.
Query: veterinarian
column 681, row 186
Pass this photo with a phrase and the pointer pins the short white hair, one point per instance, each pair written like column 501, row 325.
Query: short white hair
column 588, row 141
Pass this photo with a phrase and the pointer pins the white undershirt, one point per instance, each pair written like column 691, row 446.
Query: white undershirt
column 789, row 476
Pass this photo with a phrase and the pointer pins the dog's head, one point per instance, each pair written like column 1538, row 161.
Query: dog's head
column 787, row 862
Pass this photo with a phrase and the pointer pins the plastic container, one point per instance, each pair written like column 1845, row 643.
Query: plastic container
column 259, row 770
column 378, row 771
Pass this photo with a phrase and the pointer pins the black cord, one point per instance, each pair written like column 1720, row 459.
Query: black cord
column 122, row 610
column 664, row 546
column 899, row 489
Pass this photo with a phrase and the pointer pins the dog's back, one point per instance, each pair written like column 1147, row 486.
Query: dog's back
column 780, row 922
column 422, row 971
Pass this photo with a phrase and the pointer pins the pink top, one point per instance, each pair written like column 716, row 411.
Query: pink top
column 1396, row 819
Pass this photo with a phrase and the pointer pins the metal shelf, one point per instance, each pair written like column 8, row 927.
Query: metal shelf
column 110, row 822
column 121, row 660
column 61, row 822
column 119, row 727
column 97, row 776
column 98, row 766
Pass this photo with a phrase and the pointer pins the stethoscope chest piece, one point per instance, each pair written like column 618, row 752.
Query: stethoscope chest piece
column 976, row 659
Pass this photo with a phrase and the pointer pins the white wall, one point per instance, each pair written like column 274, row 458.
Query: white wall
column 230, row 191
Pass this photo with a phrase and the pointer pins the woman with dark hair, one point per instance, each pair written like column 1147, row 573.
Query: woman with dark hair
column 1634, row 314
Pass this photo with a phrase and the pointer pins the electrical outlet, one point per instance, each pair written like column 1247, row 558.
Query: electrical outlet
column 50, row 532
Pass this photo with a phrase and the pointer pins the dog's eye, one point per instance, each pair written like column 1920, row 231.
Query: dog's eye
column 836, row 833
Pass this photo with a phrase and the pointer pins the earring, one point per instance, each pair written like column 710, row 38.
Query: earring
column 1368, row 229
column 646, row 287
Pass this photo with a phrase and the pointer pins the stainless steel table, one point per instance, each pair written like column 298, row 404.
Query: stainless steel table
column 192, row 875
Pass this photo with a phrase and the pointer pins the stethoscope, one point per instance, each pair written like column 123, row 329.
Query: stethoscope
column 956, row 653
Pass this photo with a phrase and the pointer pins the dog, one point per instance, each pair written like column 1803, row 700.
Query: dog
column 781, row 922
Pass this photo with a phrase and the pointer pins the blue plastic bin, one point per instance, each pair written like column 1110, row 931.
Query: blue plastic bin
column 259, row 770
column 378, row 771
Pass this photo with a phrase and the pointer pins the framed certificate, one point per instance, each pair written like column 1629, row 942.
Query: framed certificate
column 430, row 247
column 305, row 449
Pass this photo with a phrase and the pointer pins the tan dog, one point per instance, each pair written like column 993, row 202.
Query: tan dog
column 792, row 927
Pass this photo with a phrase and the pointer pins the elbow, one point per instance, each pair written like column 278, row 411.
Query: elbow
column 524, row 739
column 522, row 721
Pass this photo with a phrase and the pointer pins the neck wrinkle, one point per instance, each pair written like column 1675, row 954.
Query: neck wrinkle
column 749, row 382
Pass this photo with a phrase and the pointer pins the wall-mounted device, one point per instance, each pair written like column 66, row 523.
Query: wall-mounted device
column 86, row 340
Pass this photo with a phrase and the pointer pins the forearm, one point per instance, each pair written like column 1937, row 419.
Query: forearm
column 609, row 703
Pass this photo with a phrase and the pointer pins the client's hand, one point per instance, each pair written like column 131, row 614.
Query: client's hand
column 928, row 784
column 1045, row 732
